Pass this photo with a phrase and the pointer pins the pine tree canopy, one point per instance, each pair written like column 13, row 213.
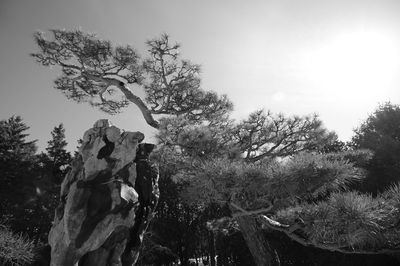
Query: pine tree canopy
column 13, row 143
column 95, row 71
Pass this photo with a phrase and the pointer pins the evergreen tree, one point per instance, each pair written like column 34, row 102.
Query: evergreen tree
column 50, row 171
column 16, row 157
column 28, row 191
column 17, row 172
column 13, row 143
column 380, row 133
column 59, row 157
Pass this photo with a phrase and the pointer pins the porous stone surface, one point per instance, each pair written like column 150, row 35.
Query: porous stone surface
column 106, row 200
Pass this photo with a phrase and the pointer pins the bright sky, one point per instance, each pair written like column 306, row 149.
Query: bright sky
column 336, row 58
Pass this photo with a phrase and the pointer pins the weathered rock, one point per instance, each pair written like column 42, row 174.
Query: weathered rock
column 106, row 200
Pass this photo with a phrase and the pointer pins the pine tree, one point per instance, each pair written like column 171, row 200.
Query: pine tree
column 16, row 155
column 13, row 144
column 59, row 157
column 380, row 133
column 51, row 168
column 17, row 172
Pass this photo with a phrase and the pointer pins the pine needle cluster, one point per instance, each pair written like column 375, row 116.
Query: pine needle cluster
column 349, row 221
column 15, row 249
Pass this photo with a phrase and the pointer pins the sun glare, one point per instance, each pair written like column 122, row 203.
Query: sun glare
column 357, row 64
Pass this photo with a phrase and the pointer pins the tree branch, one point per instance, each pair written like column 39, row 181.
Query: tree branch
column 129, row 95
column 244, row 212
column 290, row 232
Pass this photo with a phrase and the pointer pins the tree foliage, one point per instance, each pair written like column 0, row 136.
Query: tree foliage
column 13, row 143
column 350, row 221
column 267, row 135
column 16, row 162
column 189, row 140
column 15, row 249
column 174, row 86
column 271, row 185
column 29, row 191
column 58, row 157
column 94, row 71
column 380, row 133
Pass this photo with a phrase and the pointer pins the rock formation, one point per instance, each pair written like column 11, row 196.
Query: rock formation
column 106, row 200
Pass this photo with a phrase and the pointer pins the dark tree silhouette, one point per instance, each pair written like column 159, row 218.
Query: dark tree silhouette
column 380, row 133
column 16, row 161
column 59, row 157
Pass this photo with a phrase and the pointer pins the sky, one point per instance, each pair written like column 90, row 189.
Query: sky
column 338, row 59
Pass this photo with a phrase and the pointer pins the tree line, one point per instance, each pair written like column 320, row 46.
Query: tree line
column 30, row 184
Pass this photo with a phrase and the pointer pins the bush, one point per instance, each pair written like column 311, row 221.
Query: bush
column 15, row 249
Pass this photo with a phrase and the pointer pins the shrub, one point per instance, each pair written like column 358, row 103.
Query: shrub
column 15, row 249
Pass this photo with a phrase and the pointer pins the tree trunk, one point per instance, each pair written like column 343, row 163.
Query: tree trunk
column 259, row 247
column 211, row 248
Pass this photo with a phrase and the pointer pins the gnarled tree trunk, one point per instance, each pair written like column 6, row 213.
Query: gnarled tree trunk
column 258, row 245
